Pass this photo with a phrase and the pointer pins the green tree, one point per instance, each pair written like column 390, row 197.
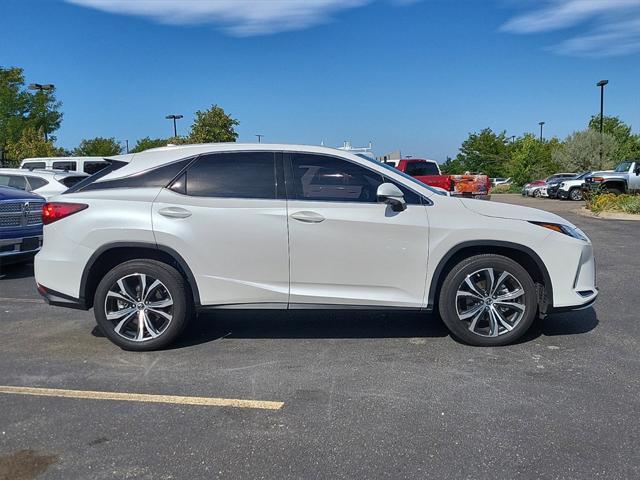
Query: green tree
column 484, row 152
column 30, row 144
column 451, row 166
column 213, row 125
column 531, row 159
column 146, row 143
column 628, row 145
column 98, row 147
column 581, row 151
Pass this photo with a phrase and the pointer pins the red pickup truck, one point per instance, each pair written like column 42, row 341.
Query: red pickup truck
column 428, row 171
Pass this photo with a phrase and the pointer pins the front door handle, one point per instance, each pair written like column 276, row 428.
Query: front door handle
column 307, row 217
column 174, row 212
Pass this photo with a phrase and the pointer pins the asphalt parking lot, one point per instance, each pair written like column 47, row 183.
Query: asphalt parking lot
column 364, row 395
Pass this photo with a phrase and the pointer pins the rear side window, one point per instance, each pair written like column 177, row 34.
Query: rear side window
column 330, row 179
column 155, row 177
column 36, row 182
column 34, row 165
column 94, row 167
column 230, row 175
column 71, row 181
column 64, row 165
column 418, row 169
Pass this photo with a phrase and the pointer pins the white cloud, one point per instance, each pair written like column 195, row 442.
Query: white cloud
column 239, row 17
column 612, row 26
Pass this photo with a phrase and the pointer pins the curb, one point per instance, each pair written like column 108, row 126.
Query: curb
column 607, row 215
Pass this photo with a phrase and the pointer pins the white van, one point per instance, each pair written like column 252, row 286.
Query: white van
column 88, row 165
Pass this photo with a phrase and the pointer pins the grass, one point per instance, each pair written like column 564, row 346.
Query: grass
column 608, row 202
column 511, row 188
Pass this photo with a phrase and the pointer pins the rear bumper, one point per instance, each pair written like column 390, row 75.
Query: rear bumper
column 60, row 299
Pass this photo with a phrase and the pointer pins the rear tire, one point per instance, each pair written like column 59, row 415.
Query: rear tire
column 496, row 308
column 575, row 194
column 142, row 305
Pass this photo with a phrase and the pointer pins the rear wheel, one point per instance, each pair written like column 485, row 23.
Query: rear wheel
column 142, row 305
column 488, row 300
column 575, row 194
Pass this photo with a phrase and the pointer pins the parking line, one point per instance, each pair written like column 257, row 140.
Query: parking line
column 22, row 300
column 142, row 397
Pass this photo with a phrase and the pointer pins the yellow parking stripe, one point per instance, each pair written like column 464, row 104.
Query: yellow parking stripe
column 142, row 397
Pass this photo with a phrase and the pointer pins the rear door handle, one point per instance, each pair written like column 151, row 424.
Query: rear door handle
column 307, row 217
column 174, row 212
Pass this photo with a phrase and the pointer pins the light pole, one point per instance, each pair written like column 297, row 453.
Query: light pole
column 601, row 84
column 259, row 137
column 40, row 87
column 541, row 125
column 174, row 118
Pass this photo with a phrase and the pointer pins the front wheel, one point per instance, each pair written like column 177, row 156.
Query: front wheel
column 488, row 300
column 575, row 194
column 537, row 193
column 142, row 305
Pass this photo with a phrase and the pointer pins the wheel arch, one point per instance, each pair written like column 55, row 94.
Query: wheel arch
column 110, row 255
column 522, row 254
column 619, row 183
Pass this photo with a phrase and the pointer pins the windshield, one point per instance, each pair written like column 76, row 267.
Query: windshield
column 623, row 167
column 404, row 175
column 582, row 175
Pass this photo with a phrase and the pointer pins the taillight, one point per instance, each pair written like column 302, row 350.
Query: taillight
column 54, row 211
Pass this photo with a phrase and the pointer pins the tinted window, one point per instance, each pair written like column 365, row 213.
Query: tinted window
column 417, row 169
column 71, row 181
column 231, row 175
column 15, row 181
column 94, row 167
column 66, row 165
column 34, row 165
column 36, row 182
column 329, row 179
column 156, row 177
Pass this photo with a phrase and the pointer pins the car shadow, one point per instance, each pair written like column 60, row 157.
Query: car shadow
column 16, row 270
column 292, row 324
column 562, row 324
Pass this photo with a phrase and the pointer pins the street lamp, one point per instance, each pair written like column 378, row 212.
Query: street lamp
column 174, row 118
column 40, row 87
column 601, row 84
column 259, row 137
column 541, row 125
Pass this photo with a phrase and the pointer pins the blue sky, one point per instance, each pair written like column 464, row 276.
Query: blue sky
column 412, row 75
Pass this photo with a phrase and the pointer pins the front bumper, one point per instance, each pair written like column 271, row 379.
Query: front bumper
column 20, row 246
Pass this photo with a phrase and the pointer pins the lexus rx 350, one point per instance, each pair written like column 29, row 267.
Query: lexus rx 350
column 162, row 233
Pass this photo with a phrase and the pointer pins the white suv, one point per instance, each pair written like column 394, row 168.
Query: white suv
column 166, row 231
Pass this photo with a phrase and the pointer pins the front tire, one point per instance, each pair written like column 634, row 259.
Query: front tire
column 142, row 305
column 575, row 194
column 488, row 300
column 537, row 193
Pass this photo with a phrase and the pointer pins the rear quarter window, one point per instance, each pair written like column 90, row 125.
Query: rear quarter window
column 36, row 182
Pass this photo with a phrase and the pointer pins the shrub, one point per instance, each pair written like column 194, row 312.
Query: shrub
column 600, row 202
column 509, row 188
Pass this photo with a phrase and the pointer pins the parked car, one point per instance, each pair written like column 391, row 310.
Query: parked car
column 42, row 182
column 88, row 165
column 20, row 225
column 571, row 188
column 169, row 230
column 500, row 181
column 428, row 172
column 625, row 178
column 550, row 189
column 534, row 189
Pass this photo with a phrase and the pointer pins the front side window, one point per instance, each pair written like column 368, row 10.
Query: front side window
column 330, row 179
column 64, row 165
column 421, row 169
column 34, row 165
column 230, row 175
column 623, row 167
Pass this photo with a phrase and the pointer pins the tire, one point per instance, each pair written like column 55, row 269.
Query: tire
column 536, row 193
column 479, row 322
column 615, row 191
column 575, row 194
column 118, row 305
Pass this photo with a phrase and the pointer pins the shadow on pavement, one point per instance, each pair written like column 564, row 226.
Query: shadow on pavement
column 16, row 270
column 310, row 324
column 560, row 324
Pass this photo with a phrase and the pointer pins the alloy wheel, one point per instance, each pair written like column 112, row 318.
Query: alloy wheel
column 490, row 302
column 139, row 306
column 576, row 194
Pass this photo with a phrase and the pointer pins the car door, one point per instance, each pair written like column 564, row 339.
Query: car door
column 345, row 247
column 634, row 177
column 227, row 219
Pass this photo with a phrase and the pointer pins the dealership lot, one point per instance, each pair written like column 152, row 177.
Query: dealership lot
column 351, row 394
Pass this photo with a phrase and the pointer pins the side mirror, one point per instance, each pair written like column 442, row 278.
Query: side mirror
column 392, row 195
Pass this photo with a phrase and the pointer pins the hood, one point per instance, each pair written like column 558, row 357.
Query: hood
column 9, row 193
column 512, row 212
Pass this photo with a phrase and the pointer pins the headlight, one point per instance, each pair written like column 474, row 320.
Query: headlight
column 561, row 185
column 565, row 229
